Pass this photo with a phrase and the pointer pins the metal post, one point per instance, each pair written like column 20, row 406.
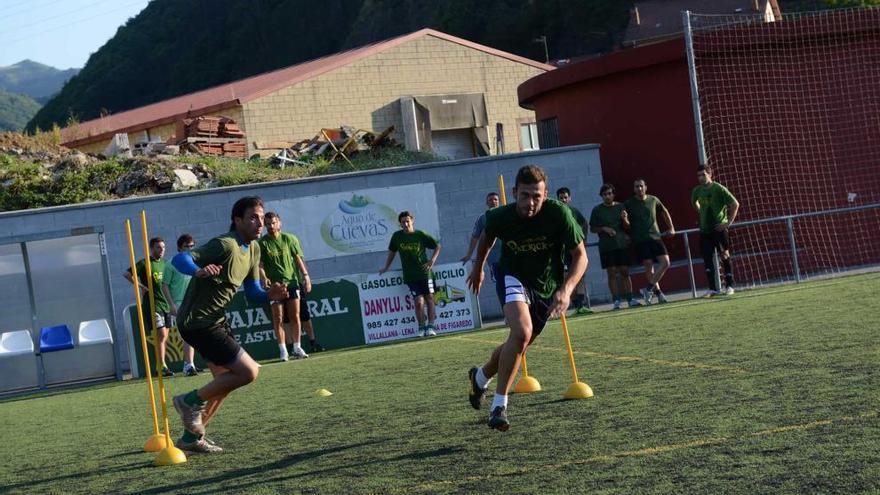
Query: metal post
column 717, row 264
column 687, row 250
column 695, row 93
column 117, row 341
column 789, row 223
column 34, row 319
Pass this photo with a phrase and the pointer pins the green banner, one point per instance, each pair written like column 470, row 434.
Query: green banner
column 336, row 316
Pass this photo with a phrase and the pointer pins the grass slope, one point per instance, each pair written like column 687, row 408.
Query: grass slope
column 771, row 391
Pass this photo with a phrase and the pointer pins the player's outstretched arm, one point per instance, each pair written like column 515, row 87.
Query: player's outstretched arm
column 388, row 261
column 475, row 279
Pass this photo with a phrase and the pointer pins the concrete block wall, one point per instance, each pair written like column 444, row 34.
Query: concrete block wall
column 365, row 93
column 460, row 186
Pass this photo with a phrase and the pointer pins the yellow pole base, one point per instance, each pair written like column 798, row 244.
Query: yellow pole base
column 578, row 390
column 527, row 385
column 170, row 456
column 155, row 443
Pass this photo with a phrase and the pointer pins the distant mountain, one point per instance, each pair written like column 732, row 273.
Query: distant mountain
column 16, row 110
column 34, row 79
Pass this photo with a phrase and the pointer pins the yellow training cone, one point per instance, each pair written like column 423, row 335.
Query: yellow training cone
column 155, row 443
column 323, row 392
column 169, row 456
column 578, row 390
column 527, row 384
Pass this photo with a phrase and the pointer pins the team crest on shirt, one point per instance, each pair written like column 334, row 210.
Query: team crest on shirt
column 412, row 247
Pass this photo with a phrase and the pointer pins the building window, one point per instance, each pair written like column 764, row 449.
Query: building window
column 548, row 133
column 528, row 136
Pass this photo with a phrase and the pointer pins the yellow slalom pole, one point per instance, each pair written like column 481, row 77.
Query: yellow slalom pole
column 170, row 454
column 577, row 389
column 526, row 383
column 156, row 442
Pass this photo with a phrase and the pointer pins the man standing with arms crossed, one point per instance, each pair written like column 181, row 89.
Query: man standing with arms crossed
column 642, row 210
column 717, row 209
column 177, row 284
column 609, row 221
column 281, row 262
column 416, row 267
column 534, row 232
column 219, row 268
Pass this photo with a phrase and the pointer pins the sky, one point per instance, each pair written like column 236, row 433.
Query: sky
column 60, row 33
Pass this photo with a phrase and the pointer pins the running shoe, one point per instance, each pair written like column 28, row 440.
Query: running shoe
column 429, row 331
column 728, row 291
column 200, row 446
column 191, row 416
column 190, row 370
column 299, row 354
column 475, row 393
column 498, row 419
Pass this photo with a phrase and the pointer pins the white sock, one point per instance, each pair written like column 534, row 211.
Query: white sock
column 296, row 347
column 499, row 401
column 482, row 381
column 283, row 349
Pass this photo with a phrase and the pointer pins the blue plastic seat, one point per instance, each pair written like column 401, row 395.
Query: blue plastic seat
column 55, row 338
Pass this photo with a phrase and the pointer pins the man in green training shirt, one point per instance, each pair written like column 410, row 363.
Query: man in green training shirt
column 581, row 299
column 717, row 209
column 162, row 313
column 412, row 245
column 642, row 210
column 610, row 221
column 177, row 284
column 219, row 268
column 281, row 262
column 534, row 232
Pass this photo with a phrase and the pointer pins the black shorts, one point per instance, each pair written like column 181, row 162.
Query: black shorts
column 618, row 257
column 421, row 287
column 651, row 250
column 163, row 319
column 510, row 289
column 712, row 241
column 303, row 308
column 215, row 343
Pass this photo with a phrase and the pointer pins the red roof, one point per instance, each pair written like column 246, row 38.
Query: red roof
column 238, row 92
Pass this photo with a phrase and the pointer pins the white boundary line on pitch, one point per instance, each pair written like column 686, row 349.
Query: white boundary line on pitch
column 649, row 451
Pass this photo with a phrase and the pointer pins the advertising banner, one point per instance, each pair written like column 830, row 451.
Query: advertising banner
column 346, row 312
column 388, row 309
column 362, row 221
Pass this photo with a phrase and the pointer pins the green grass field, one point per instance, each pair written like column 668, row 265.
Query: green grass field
column 770, row 391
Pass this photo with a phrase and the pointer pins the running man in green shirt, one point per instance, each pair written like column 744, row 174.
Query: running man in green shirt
column 281, row 262
column 417, row 274
column 534, row 233
column 177, row 284
column 717, row 209
column 642, row 210
column 609, row 221
column 161, row 296
column 581, row 299
column 219, row 268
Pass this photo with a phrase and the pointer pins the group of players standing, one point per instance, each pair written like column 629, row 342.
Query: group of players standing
column 537, row 238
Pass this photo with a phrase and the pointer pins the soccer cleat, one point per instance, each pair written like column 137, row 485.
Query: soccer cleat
column 498, row 419
column 647, row 295
column 191, row 416
column 583, row 310
column 475, row 393
column 299, row 354
column 634, row 303
column 166, row 372
column 616, row 305
column 661, row 298
column 200, row 446
column 728, row 291
column 429, row 331
column 190, row 370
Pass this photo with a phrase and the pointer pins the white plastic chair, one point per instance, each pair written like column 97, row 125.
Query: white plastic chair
column 16, row 343
column 94, row 332
column 18, row 361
